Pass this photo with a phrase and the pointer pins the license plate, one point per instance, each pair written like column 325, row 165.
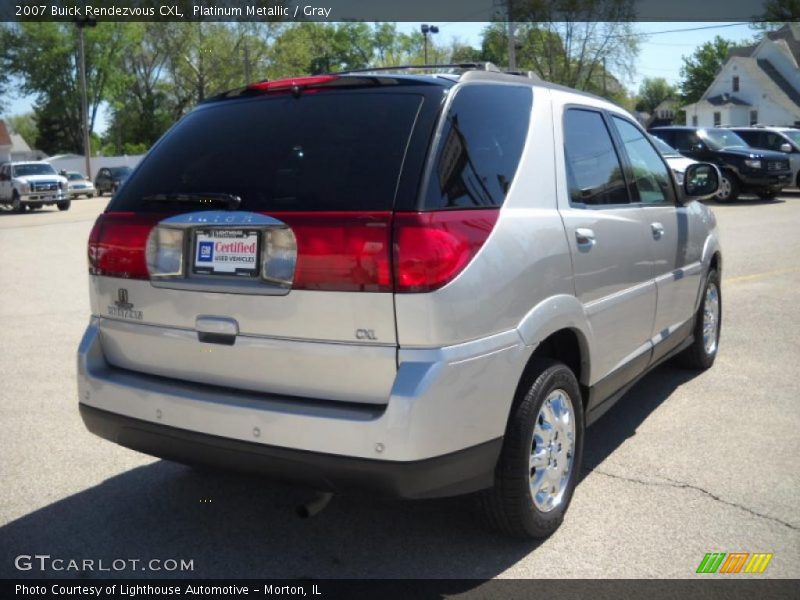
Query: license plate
column 226, row 252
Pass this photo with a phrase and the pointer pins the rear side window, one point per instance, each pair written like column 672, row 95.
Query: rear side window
column 323, row 151
column 593, row 168
column 480, row 146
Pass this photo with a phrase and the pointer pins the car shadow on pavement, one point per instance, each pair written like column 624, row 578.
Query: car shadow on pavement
column 623, row 419
column 242, row 527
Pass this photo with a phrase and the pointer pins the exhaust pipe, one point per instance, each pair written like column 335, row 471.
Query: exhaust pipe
column 314, row 506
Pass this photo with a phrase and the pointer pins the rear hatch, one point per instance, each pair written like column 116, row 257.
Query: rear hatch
column 252, row 248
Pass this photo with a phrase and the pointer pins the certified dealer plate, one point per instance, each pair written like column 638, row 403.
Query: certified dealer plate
column 226, row 252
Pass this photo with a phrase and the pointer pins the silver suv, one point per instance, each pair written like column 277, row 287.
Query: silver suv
column 427, row 285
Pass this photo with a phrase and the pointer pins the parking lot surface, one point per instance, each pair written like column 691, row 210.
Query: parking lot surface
column 685, row 464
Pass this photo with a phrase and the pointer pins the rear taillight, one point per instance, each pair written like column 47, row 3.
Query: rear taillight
column 341, row 251
column 335, row 251
column 118, row 242
column 432, row 248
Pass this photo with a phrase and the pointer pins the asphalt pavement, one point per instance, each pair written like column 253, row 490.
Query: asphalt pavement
column 685, row 464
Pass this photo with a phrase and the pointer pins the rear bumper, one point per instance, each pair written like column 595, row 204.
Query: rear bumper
column 438, row 434
column 452, row 474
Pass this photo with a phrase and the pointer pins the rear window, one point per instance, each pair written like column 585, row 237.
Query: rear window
column 321, row 151
column 480, row 146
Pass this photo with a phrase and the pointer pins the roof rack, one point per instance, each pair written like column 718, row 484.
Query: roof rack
column 472, row 66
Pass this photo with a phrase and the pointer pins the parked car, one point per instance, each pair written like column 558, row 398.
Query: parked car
column 79, row 185
column 32, row 185
column 427, row 285
column 744, row 169
column 777, row 139
column 676, row 161
column 109, row 179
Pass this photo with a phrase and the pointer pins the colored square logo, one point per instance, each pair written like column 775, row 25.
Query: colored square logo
column 205, row 252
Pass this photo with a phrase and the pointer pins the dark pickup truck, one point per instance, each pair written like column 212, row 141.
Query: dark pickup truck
column 744, row 169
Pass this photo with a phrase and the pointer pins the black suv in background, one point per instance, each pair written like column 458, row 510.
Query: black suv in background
column 744, row 169
column 110, row 178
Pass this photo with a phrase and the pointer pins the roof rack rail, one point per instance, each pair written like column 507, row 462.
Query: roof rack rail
column 472, row 66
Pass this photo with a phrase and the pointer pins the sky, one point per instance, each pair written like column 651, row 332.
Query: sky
column 660, row 53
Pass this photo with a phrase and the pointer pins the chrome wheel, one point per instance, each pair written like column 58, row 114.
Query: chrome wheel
column 725, row 188
column 711, row 318
column 552, row 451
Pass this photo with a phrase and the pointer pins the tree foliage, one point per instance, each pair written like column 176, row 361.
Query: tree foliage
column 145, row 76
column 700, row 69
column 652, row 92
column 778, row 13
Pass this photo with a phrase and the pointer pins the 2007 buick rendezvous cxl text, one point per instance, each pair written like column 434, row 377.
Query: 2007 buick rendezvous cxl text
column 423, row 284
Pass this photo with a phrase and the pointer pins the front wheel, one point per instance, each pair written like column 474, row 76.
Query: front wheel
column 728, row 188
column 707, row 327
column 64, row 205
column 17, row 205
column 540, row 461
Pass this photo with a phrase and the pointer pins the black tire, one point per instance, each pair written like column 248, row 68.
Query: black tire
column 768, row 194
column 64, row 205
column 697, row 356
column 16, row 203
column 509, row 505
column 729, row 188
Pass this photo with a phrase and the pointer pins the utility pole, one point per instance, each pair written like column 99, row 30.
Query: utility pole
column 247, row 79
column 605, row 90
column 426, row 29
column 87, row 149
column 512, row 41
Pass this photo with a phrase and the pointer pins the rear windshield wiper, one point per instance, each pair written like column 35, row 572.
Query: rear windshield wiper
column 230, row 201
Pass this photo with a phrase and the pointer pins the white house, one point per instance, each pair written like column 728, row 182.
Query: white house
column 757, row 84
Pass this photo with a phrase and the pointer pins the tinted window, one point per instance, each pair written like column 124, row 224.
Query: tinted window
column 480, row 146
column 686, row 141
column 751, row 137
column 649, row 171
column 323, row 151
column 772, row 141
column 593, row 168
column 75, row 177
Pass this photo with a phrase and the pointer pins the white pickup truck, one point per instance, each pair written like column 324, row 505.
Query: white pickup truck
column 32, row 185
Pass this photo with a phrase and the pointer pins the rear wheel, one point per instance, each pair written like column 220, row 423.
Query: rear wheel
column 708, row 324
column 64, row 205
column 540, row 462
column 728, row 188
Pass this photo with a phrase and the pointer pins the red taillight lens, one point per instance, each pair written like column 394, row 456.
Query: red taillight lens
column 341, row 251
column 118, row 242
column 432, row 248
column 291, row 82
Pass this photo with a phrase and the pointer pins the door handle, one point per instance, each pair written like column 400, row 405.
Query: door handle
column 585, row 237
column 657, row 229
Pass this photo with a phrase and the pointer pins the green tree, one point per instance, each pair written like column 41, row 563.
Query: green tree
column 574, row 42
column 43, row 58
column 777, row 13
column 652, row 92
column 700, row 69
column 25, row 125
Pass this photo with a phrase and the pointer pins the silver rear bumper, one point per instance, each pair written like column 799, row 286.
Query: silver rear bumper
column 443, row 400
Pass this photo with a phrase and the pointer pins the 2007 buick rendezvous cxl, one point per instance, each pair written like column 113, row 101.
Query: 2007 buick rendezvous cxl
column 424, row 284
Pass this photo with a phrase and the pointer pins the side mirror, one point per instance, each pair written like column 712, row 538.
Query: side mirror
column 700, row 180
column 786, row 147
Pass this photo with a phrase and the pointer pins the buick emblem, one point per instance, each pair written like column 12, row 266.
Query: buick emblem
column 122, row 300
